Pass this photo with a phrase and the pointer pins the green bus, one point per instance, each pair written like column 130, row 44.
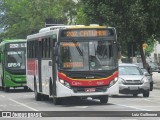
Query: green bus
column 13, row 64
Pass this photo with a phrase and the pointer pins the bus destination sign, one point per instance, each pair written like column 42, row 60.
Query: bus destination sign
column 87, row 33
column 17, row 45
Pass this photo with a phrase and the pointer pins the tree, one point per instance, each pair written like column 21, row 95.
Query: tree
column 23, row 17
column 135, row 20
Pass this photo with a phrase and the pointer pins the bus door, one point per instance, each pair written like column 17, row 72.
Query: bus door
column 46, row 66
column 54, row 66
column 39, row 84
column 2, row 67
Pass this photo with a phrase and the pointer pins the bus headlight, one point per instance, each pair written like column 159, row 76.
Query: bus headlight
column 113, row 82
column 64, row 83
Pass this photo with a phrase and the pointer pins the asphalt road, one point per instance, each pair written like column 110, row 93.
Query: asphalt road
column 24, row 101
column 20, row 100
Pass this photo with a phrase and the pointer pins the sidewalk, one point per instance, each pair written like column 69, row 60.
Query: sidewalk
column 156, row 80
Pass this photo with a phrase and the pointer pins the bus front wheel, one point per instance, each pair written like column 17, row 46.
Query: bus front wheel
column 103, row 99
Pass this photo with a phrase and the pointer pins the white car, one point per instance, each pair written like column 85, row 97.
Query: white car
column 149, row 75
column 132, row 80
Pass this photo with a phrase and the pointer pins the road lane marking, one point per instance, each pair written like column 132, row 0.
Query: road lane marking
column 151, row 101
column 3, row 96
column 133, row 107
column 23, row 105
column 80, row 106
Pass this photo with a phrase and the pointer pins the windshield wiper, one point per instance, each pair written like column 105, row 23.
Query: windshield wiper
column 134, row 74
column 79, row 50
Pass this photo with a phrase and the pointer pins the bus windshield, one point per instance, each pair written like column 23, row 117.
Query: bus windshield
column 16, row 59
column 82, row 56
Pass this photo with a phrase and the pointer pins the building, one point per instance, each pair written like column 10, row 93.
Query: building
column 155, row 55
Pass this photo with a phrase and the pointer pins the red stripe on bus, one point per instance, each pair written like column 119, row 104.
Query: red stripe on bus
column 88, row 82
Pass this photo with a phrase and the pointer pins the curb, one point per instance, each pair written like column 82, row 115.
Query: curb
column 156, row 87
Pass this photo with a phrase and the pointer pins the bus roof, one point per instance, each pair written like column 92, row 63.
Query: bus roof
column 70, row 27
column 11, row 41
column 47, row 31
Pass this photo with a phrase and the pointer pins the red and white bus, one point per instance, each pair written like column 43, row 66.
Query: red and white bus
column 73, row 61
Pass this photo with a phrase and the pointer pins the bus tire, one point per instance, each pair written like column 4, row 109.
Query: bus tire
column 2, row 87
column 25, row 88
column 38, row 96
column 57, row 101
column 50, row 87
column 6, row 89
column 135, row 94
column 104, row 99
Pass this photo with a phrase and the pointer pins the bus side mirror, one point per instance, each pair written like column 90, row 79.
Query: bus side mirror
column 55, row 51
column 55, row 54
column 50, row 63
column 119, row 51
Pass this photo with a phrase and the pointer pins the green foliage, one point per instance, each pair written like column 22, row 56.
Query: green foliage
column 135, row 20
column 151, row 44
column 23, row 17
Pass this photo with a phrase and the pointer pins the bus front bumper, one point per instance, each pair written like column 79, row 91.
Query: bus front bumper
column 63, row 91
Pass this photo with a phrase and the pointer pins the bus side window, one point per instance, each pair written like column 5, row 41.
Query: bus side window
column 49, row 48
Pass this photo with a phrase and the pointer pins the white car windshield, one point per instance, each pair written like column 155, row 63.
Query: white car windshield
column 130, row 70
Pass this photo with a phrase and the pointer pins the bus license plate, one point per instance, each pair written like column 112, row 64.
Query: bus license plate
column 90, row 89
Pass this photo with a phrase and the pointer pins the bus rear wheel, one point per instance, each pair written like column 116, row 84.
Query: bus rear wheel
column 57, row 101
column 38, row 96
column 103, row 99
column 6, row 89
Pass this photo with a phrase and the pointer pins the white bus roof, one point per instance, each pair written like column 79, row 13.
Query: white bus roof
column 49, row 30
column 70, row 26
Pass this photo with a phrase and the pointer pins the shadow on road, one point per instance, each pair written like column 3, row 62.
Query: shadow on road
column 70, row 102
column 126, row 96
column 17, row 90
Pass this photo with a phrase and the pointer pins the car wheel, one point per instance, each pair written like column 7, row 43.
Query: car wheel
column 104, row 99
column 146, row 94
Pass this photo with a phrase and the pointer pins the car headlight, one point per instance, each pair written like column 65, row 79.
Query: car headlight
column 144, row 79
column 63, row 82
column 121, row 81
column 113, row 82
column 149, row 78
